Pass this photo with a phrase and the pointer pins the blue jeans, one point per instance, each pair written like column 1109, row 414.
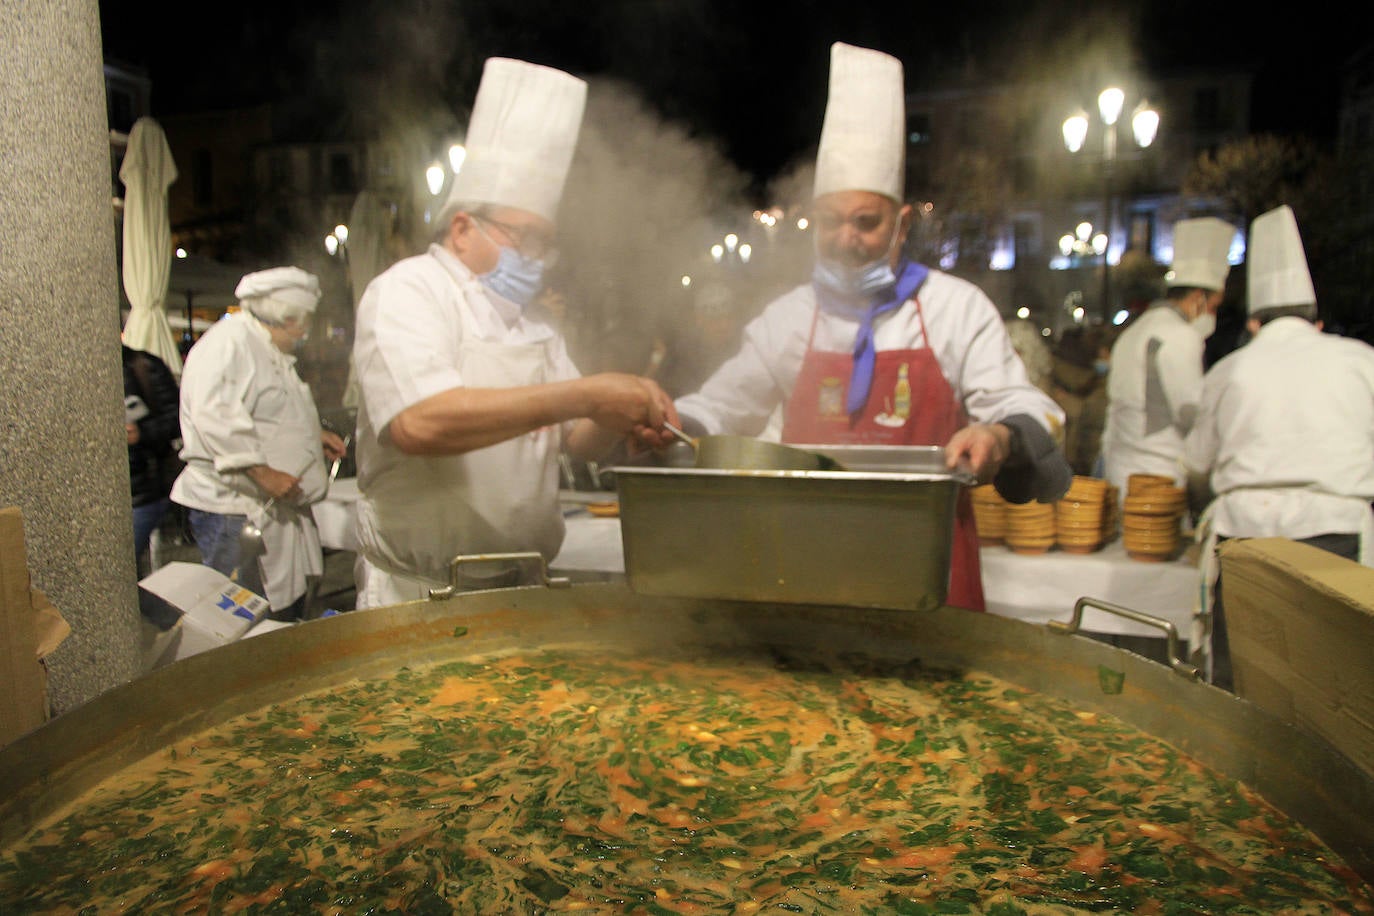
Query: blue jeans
column 217, row 536
column 218, row 539
column 146, row 520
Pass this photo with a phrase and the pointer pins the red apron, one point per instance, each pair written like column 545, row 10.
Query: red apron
column 910, row 403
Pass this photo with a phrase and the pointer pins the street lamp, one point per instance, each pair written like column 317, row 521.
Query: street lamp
column 438, row 176
column 336, row 243
column 434, row 178
column 1144, row 126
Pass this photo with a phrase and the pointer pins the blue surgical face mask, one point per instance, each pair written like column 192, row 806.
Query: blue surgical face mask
column 855, row 286
column 515, row 277
column 853, row 283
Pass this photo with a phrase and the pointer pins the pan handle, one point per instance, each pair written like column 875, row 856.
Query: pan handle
column 1176, row 661
column 532, row 557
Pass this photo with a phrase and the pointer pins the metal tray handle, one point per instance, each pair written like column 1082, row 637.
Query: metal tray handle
column 532, row 558
column 1181, row 667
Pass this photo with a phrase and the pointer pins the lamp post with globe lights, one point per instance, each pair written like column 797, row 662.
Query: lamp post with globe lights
column 1144, row 127
column 439, row 177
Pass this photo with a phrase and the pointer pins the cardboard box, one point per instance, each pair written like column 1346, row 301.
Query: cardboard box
column 214, row 609
column 1301, row 626
column 30, row 629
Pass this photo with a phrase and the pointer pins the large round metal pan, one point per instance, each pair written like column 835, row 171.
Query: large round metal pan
column 1298, row 773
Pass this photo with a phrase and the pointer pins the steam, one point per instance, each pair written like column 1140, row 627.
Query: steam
column 643, row 201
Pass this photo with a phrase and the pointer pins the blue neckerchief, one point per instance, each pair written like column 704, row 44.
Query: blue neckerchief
column 910, row 276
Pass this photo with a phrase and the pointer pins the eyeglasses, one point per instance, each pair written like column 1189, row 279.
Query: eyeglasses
column 864, row 222
column 529, row 242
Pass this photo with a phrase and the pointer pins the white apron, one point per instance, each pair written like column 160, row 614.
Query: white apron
column 290, row 539
column 498, row 499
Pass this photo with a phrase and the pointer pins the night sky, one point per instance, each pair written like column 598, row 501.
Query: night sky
column 748, row 76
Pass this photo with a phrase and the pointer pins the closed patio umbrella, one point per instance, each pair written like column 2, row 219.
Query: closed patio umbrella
column 147, row 172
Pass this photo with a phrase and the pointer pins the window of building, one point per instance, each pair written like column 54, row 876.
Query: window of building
column 1141, row 230
column 121, row 105
column 918, row 129
column 278, row 171
column 967, row 129
column 341, row 172
column 1207, row 108
column 202, row 178
column 1025, row 239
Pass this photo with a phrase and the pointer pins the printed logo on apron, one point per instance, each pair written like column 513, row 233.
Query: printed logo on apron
column 830, row 399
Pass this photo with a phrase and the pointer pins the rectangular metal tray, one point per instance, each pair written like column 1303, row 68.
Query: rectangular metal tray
column 859, row 538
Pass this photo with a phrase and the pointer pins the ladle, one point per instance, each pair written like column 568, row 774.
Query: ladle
column 250, row 538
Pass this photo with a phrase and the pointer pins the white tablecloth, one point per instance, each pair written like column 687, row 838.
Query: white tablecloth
column 1036, row 589
column 1045, row 587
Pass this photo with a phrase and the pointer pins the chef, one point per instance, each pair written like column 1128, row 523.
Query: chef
column 1285, row 431
column 877, row 349
column 252, row 441
column 1156, row 364
column 467, row 395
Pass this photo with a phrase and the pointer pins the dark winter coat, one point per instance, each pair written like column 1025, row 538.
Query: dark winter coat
column 153, row 459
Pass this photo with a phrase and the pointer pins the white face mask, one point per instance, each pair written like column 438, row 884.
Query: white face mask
column 1205, row 324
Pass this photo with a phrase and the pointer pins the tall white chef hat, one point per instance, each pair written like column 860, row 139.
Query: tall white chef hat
column 279, row 293
column 521, row 137
column 1277, row 264
column 863, row 138
column 1201, row 247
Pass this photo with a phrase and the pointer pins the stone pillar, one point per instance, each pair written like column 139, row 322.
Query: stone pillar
column 63, row 459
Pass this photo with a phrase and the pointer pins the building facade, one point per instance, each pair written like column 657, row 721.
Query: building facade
column 998, row 194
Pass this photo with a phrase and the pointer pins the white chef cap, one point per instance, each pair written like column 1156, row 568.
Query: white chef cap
column 1201, row 248
column 1277, row 265
column 521, row 137
column 863, row 138
column 279, row 293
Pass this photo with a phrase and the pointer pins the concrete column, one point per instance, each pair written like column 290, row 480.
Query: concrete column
column 63, row 459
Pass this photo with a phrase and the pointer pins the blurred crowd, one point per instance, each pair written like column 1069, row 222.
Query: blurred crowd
column 1072, row 369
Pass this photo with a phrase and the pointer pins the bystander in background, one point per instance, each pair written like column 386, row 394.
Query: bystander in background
column 1079, row 387
column 1030, row 345
column 153, row 431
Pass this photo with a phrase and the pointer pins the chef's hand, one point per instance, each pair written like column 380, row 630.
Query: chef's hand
column 981, row 447
column 334, row 446
column 131, row 433
column 276, row 484
column 631, row 405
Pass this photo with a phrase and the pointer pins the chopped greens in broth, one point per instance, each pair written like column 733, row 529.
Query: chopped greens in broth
column 564, row 781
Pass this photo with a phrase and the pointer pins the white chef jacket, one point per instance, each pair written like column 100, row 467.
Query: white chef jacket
column 966, row 332
column 1286, row 429
column 1153, row 388
column 242, row 404
column 425, row 326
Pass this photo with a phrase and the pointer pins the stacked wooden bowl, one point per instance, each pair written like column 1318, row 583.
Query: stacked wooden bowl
column 1030, row 527
column 1150, row 517
column 989, row 515
column 1111, row 514
column 1083, row 515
